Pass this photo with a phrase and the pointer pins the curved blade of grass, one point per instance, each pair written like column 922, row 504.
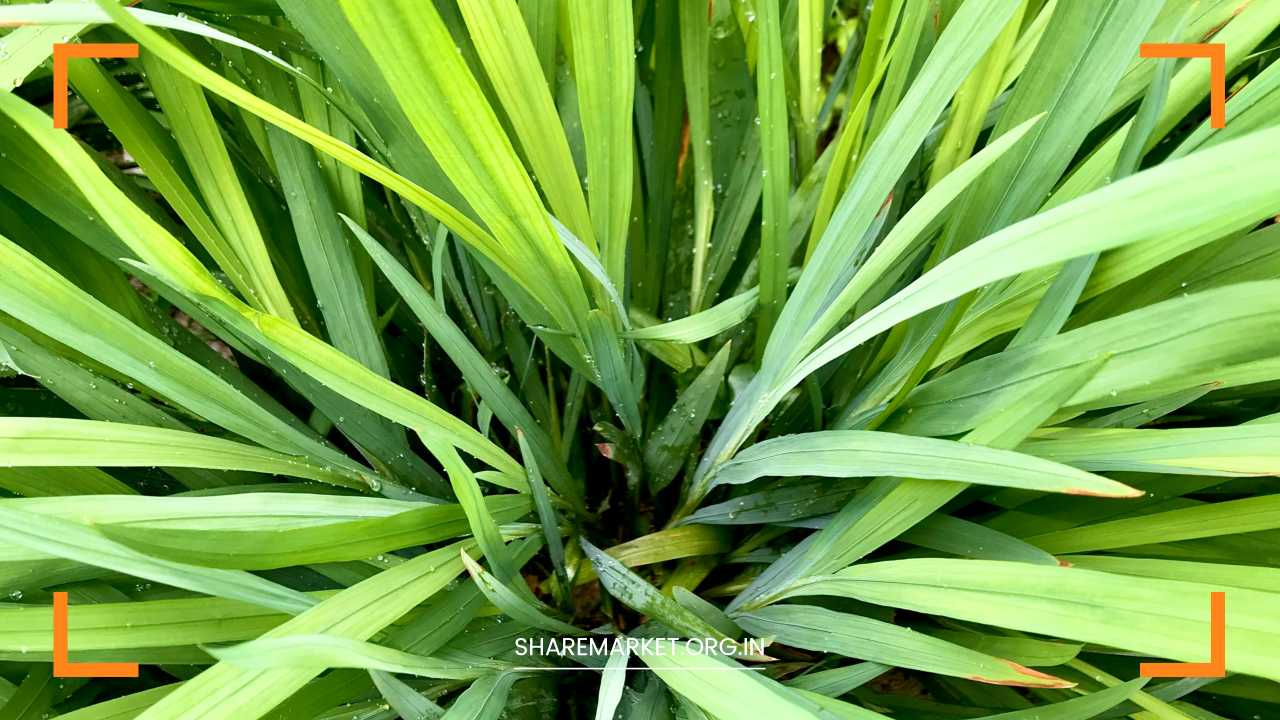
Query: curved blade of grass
column 1139, row 414
column 447, row 108
column 226, row 692
column 1232, row 451
column 1081, row 708
column 321, row 652
column 1024, row 650
column 1162, row 618
column 79, row 14
column 511, row 61
column 475, row 368
column 520, row 607
column 546, row 513
column 726, row 692
column 634, row 592
column 603, row 53
column 787, row 502
column 887, row 507
column 819, row 629
column 1252, row 514
column 265, row 548
column 774, row 255
column 669, row 544
column 969, row 539
column 485, row 699
column 61, row 480
column 52, row 442
column 839, row 681
column 592, row 265
column 611, row 363
column 1243, row 576
column 668, row 445
column 268, row 506
column 268, row 523
column 483, row 526
column 200, row 141
column 701, row 325
column 403, row 698
column 76, row 542
column 612, row 682
column 850, row 453
column 1162, row 348
column 695, row 63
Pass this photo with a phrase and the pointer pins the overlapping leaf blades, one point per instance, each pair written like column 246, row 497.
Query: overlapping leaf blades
column 834, row 323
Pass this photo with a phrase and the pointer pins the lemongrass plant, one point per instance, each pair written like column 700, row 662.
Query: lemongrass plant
column 911, row 359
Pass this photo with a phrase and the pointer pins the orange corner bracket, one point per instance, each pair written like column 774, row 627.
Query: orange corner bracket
column 1217, row 55
column 1217, row 665
column 62, row 667
column 62, row 52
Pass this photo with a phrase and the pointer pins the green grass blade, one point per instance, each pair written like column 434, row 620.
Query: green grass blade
column 51, row 442
column 733, row 690
column 82, row 323
column 1081, row 708
column 774, row 255
column 475, row 368
column 321, row 652
column 1064, row 602
column 1162, row 348
column 77, row 542
column 356, row 613
column 887, row 507
column 604, row 70
column 546, row 513
column 634, row 592
column 201, row 143
column 695, row 55
column 669, row 443
column 819, row 629
column 612, row 682
column 519, row 606
column 157, row 153
column 513, row 61
column 484, row 699
column 845, row 453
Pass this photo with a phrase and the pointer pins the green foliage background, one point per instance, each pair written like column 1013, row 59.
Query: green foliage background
column 345, row 342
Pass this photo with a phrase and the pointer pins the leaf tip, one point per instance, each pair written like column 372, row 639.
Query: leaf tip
column 1127, row 492
column 1035, row 678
